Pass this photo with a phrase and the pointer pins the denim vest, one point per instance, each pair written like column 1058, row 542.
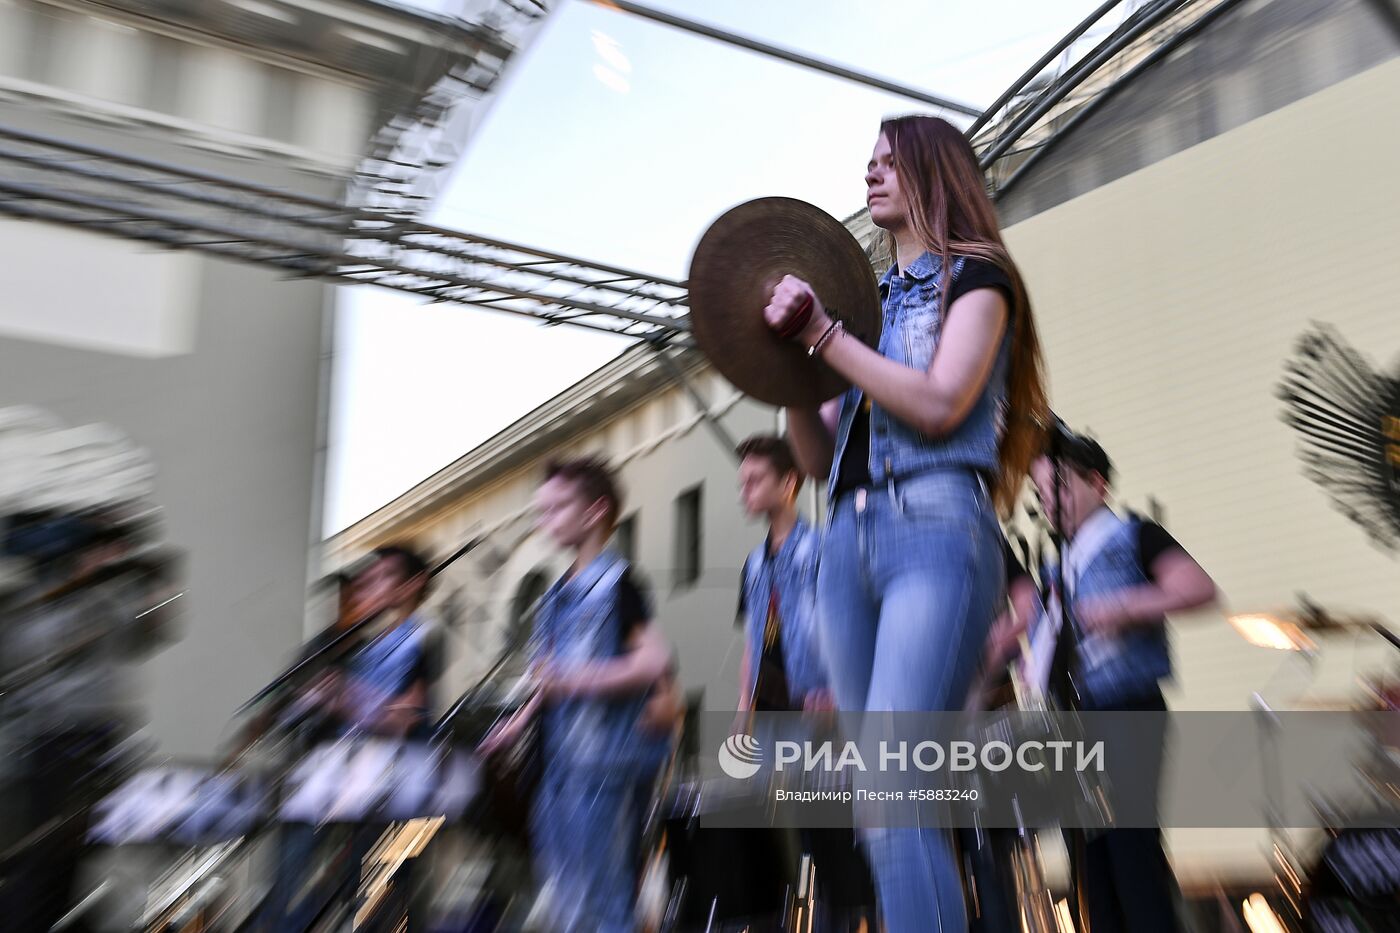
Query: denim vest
column 577, row 624
column 909, row 335
column 384, row 669
column 1116, row 668
column 793, row 570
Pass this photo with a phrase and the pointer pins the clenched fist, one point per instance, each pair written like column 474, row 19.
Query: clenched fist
column 792, row 299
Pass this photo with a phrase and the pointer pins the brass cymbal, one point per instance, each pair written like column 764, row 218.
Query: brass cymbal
column 733, row 271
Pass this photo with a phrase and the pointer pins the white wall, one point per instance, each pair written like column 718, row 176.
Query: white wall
column 146, row 304
column 1168, row 302
column 213, row 367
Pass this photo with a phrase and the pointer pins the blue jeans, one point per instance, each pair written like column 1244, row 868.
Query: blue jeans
column 911, row 579
column 585, row 834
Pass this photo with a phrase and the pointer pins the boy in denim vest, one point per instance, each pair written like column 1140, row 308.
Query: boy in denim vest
column 597, row 658
column 1122, row 577
column 782, row 667
column 383, row 688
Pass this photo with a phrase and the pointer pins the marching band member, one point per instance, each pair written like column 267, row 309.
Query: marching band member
column 782, row 667
column 599, row 660
column 933, row 438
column 1122, row 576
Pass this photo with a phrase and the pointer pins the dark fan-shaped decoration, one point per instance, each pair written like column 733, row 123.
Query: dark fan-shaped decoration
column 1348, row 417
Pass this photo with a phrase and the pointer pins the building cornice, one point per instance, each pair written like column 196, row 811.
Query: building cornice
column 323, row 34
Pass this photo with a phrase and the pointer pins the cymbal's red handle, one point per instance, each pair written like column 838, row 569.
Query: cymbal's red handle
column 798, row 320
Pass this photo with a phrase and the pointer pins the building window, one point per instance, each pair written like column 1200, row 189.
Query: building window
column 688, row 538
column 625, row 538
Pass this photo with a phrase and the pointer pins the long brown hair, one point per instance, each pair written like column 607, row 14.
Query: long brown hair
column 951, row 214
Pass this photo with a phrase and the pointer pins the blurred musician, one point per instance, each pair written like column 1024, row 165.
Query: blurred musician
column 598, row 659
column 95, row 597
column 387, row 683
column 1123, row 577
column 380, row 687
column 782, row 668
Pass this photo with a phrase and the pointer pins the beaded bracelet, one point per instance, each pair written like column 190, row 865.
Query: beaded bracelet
column 822, row 341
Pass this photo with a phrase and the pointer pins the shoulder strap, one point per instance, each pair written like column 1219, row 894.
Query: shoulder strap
column 1135, row 525
column 755, row 557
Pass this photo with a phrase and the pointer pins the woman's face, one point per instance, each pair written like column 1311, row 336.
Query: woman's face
column 888, row 208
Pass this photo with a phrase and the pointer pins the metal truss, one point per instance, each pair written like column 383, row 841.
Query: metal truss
column 373, row 237
column 48, row 179
column 410, row 156
column 376, row 240
column 1079, row 73
column 788, row 55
